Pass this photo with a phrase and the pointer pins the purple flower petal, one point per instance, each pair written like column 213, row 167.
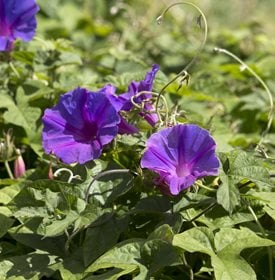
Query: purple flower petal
column 126, row 128
column 147, row 83
column 123, row 127
column 180, row 155
column 17, row 20
column 148, row 115
column 136, row 87
column 110, row 92
column 78, row 127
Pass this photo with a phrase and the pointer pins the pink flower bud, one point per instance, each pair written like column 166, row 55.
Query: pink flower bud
column 19, row 165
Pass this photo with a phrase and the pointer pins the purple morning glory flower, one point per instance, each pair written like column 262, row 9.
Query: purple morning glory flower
column 133, row 90
column 180, row 155
column 123, row 127
column 17, row 20
column 77, row 128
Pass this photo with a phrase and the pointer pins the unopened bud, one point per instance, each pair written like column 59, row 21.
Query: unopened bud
column 19, row 165
column 50, row 172
column 7, row 148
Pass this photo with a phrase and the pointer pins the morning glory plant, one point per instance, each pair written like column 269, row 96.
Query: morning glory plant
column 17, row 20
column 115, row 198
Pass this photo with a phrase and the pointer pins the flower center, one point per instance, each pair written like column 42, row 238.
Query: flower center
column 89, row 132
column 86, row 134
column 183, row 170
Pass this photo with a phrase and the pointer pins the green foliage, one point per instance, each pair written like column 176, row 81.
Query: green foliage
column 239, row 167
column 224, row 248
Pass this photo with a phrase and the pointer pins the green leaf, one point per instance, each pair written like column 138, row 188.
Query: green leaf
column 228, row 194
column 67, row 274
column 125, row 256
column 153, row 252
column 106, row 235
column 108, row 189
column 5, row 223
column 224, row 249
column 23, row 56
column 30, row 212
column 159, row 244
column 200, row 239
column 238, row 166
column 242, row 166
column 164, row 232
column 156, row 204
column 23, row 115
column 58, row 227
column 219, row 218
column 229, row 244
column 8, row 193
column 268, row 199
column 30, row 266
column 26, row 236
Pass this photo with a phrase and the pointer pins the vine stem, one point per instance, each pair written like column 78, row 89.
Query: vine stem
column 260, row 80
column 104, row 173
column 7, row 166
column 191, row 273
column 264, row 235
column 183, row 72
column 203, row 212
column 14, row 69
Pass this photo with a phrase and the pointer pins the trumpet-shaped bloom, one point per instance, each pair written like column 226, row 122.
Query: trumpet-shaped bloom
column 180, row 155
column 78, row 127
column 17, row 20
column 133, row 93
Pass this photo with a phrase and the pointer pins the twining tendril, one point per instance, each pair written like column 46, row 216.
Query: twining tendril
column 72, row 176
column 260, row 80
column 140, row 106
column 183, row 73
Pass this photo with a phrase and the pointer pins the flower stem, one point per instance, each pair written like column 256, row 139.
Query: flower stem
column 183, row 72
column 191, row 273
column 260, row 80
column 264, row 235
column 7, row 166
column 203, row 212
column 14, row 69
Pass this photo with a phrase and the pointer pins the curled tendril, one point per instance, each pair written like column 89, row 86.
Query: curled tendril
column 183, row 73
column 141, row 105
column 260, row 80
column 72, row 176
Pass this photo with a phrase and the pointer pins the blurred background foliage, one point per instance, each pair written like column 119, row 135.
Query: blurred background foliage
column 91, row 42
